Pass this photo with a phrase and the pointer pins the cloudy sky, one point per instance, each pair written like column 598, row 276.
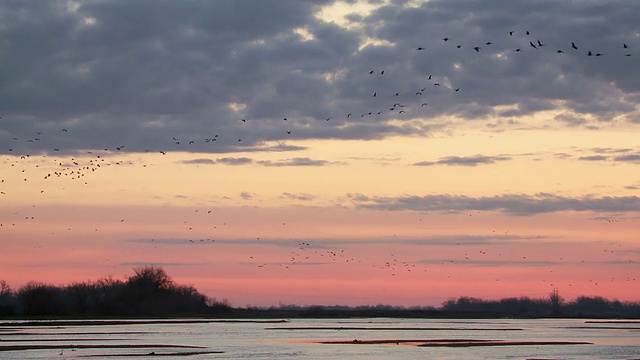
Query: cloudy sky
column 324, row 152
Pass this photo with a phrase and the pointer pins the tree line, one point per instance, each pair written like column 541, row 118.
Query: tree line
column 554, row 305
column 150, row 292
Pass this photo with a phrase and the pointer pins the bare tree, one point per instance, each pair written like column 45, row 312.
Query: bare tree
column 5, row 289
column 150, row 277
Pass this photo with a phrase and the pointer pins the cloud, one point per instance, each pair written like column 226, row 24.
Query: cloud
column 281, row 147
column 303, row 161
column 570, row 119
column 609, row 150
column 301, row 196
column 425, row 163
column 234, row 161
column 161, row 264
column 246, row 195
column 632, row 158
column 510, row 204
column 198, row 161
column 181, row 75
column 512, row 263
column 594, row 158
column 326, row 243
column 464, row 160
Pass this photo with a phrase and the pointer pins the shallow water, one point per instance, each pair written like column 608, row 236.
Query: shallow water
column 299, row 339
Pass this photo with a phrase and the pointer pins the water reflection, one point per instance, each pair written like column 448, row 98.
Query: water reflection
column 323, row 339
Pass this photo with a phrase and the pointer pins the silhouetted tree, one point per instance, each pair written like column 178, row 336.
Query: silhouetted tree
column 7, row 300
column 80, row 293
column 152, row 278
column 39, row 299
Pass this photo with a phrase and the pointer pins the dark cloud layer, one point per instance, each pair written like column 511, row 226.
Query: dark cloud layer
column 182, row 75
column 511, row 204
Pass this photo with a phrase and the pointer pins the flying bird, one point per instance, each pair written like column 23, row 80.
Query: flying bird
column 573, row 45
column 533, row 45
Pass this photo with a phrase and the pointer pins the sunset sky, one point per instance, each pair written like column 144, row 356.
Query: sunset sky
column 324, row 152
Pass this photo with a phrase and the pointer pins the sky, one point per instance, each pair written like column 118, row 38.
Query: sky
column 324, row 152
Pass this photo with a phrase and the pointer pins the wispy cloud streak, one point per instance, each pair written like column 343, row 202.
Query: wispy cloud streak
column 511, row 204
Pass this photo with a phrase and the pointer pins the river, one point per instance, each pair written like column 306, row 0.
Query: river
column 379, row 338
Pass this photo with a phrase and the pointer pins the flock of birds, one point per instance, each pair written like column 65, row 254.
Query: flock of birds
column 390, row 103
column 397, row 102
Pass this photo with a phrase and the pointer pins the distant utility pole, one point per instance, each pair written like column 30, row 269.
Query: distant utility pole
column 556, row 300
